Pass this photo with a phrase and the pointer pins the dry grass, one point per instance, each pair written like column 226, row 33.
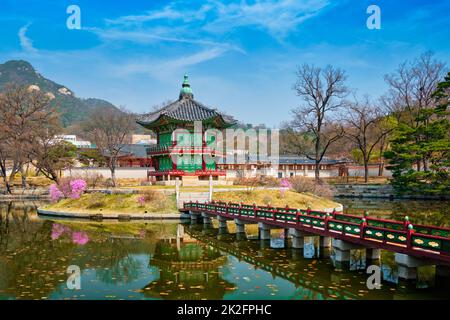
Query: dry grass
column 32, row 181
column 277, row 198
column 115, row 203
column 185, row 188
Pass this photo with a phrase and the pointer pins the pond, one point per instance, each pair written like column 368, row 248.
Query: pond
column 171, row 260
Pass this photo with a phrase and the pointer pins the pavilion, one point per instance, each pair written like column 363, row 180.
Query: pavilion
column 189, row 149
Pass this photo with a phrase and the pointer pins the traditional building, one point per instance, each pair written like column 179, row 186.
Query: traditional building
column 287, row 166
column 133, row 155
column 181, row 154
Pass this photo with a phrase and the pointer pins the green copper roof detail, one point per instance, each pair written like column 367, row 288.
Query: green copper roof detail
column 186, row 90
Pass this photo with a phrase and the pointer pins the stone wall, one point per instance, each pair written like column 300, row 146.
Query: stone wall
column 363, row 190
column 376, row 191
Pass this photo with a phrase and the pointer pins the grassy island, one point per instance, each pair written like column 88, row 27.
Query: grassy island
column 277, row 198
column 149, row 202
column 153, row 201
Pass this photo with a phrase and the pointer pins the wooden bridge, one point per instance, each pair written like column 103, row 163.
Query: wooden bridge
column 415, row 245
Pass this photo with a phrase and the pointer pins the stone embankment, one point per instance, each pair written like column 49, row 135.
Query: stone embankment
column 343, row 190
column 27, row 194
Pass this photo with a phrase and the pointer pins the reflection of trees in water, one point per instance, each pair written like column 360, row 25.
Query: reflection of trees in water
column 33, row 265
column 30, row 262
column 123, row 271
column 114, row 260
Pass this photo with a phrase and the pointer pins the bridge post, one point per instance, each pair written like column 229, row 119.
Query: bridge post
column 298, row 238
column 342, row 251
column 324, row 247
column 222, row 222
column 373, row 254
column 443, row 271
column 206, row 219
column 194, row 216
column 240, row 226
column 443, row 276
column 264, row 231
column 324, row 242
column 407, row 266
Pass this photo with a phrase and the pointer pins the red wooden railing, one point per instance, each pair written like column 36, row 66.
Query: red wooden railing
column 399, row 236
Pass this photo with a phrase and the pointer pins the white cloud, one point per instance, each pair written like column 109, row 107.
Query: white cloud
column 156, row 35
column 169, row 12
column 277, row 17
column 25, row 42
column 166, row 69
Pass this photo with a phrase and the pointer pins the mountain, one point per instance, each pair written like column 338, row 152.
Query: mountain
column 71, row 108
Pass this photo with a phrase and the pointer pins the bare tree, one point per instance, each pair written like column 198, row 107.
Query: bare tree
column 50, row 155
column 365, row 127
column 23, row 115
column 323, row 92
column 411, row 89
column 108, row 128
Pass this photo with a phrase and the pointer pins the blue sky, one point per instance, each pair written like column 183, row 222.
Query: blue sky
column 241, row 55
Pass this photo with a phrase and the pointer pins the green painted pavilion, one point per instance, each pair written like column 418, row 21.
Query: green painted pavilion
column 188, row 148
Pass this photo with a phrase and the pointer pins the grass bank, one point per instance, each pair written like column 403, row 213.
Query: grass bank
column 156, row 202
column 277, row 198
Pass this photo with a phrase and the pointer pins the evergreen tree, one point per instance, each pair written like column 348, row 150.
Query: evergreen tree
column 427, row 143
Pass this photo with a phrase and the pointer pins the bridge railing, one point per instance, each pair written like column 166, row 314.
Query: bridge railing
column 389, row 232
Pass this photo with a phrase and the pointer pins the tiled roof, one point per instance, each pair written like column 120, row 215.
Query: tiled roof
column 185, row 109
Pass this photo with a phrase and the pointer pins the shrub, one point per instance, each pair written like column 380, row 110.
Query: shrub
column 269, row 181
column 96, row 204
column 303, row 184
column 285, row 183
column 151, row 195
column 109, row 183
column 141, row 201
column 267, row 200
column 67, row 188
column 77, row 187
column 55, row 193
column 93, row 179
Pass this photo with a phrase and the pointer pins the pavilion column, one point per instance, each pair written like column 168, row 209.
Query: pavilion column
column 203, row 157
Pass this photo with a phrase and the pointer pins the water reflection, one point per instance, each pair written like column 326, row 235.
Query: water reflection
column 122, row 260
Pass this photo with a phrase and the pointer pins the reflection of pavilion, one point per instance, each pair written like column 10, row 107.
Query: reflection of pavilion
column 188, row 270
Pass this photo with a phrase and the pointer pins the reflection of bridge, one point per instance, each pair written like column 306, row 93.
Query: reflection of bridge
column 414, row 245
column 315, row 281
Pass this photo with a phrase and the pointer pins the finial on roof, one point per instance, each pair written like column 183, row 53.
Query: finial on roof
column 186, row 91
